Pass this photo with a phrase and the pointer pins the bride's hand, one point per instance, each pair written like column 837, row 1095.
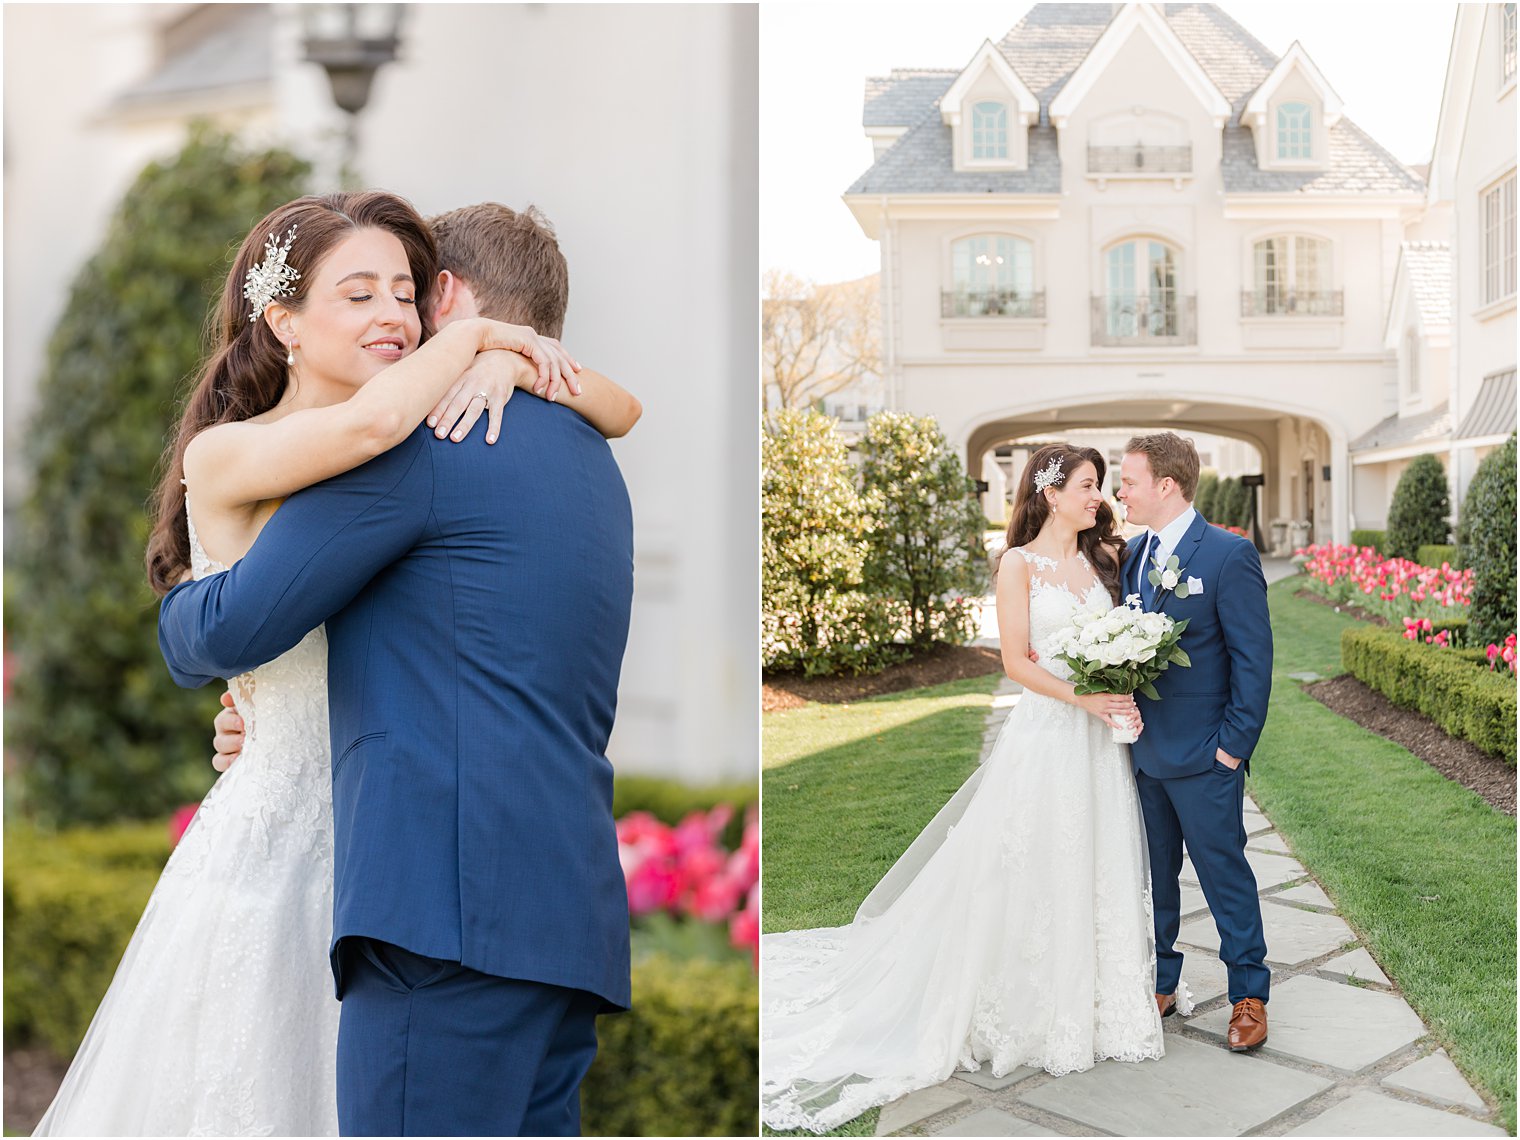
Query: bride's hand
column 1114, row 709
column 554, row 364
column 493, row 376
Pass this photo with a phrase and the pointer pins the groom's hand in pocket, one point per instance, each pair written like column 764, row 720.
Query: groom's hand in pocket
column 228, row 739
column 1226, row 759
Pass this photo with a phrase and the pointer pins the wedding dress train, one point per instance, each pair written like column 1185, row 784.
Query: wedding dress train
column 221, row 1019
column 1016, row 929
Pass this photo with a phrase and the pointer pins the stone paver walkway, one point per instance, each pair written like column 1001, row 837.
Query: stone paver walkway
column 1345, row 1055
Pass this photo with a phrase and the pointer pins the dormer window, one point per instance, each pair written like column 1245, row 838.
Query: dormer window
column 989, row 130
column 1295, row 132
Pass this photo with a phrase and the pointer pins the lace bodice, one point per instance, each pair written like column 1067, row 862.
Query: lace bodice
column 283, row 704
column 1058, row 588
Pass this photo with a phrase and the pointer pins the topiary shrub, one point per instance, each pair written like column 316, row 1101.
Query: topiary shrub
column 96, row 725
column 1465, row 700
column 1421, row 504
column 815, row 617
column 1208, row 488
column 924, row 554
column 1377, row 539
column 1233, row 503
column 1488, row 526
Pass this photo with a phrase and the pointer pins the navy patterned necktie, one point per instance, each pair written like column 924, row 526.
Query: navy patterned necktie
column 1147, row 563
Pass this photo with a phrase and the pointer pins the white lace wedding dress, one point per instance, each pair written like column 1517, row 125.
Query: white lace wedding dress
column 1016, row 928
column 221, row 1019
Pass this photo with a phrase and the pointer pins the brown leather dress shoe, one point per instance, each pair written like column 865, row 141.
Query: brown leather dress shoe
column 1166, row 1004
column 1248, row 1025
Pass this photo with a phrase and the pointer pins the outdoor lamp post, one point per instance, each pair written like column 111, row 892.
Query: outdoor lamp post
column 351, row 42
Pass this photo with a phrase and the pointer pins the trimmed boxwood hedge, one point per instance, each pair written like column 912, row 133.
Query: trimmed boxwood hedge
column 1433, row 554
column 684, row 1061
column 1377, row 539
column 1464, row 699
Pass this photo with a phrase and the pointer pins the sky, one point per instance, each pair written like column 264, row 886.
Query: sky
column 1387, row 61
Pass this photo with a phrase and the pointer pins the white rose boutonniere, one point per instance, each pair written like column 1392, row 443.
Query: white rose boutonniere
column 1169, row 576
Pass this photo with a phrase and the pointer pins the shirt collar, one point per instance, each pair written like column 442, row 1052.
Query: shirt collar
column 1172, row 532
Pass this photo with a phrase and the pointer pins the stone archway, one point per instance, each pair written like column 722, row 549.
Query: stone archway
column 1297, row 447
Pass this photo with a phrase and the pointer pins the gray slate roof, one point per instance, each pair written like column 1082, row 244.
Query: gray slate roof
column 1428, row 265
column 1493, row 413
column 1397, row 431
column 899, row 99
column 1046, row 47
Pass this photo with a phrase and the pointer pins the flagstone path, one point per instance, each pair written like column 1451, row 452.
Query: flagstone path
column 1345, row 1055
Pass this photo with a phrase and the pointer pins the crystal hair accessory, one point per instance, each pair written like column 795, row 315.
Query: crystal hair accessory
column 1051, row 475
column 273, row 277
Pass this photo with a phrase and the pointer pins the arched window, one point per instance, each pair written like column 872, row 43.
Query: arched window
column 993, row 277
column 989, row 130
column 1142, row 289
column 1293, row 276
column 1295, row 131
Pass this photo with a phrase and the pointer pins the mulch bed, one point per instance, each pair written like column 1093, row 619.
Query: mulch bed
column 32, row 1077
column 935, row 667
column 1351, row 611
column 1455, row 759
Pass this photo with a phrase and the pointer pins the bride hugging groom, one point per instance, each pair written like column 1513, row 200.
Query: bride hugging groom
column 424, row 628
column 1034, row 920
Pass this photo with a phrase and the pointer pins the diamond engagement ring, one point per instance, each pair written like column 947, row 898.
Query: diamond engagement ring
column 484, row 397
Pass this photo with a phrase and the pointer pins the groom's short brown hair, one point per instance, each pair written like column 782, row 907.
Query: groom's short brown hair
column 511, row 261
column 1170, row 456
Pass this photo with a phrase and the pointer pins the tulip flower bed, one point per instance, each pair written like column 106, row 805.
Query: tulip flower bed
column 683, row 871
column 1392, row 588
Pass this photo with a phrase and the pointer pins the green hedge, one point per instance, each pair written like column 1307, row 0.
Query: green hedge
column 685, row 1061
column 1377, row 539
column 1465, row 701
column 1433, row 554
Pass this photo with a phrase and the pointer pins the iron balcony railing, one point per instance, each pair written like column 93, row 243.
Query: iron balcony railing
column 1139, row 159
column 1279, row 303
column 991, row 303
column 1124, row 319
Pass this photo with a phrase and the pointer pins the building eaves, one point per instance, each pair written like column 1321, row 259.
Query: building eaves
column 1397, row 431
column 1493, row 413
column 236, row 54
column 1428, row 266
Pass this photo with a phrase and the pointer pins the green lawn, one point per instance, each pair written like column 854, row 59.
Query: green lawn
column 846, row 788
column 1421, row 868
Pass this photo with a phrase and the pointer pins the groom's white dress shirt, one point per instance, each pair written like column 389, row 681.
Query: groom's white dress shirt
column 1171, row 535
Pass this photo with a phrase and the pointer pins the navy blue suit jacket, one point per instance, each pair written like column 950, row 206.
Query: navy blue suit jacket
column 1221, row 701
column 477, row 601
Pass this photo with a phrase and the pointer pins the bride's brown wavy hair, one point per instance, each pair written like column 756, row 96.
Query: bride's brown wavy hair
column 1030, row 510
column 245, row 373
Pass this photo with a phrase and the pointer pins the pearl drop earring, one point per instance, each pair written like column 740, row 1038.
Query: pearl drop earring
column 290, row 355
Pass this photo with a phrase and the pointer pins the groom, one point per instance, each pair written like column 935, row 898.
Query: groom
column 477, row 605
column 1191, row 760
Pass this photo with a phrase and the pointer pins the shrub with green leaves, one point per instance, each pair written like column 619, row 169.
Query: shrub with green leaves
column 1436, row 554
column 1208, row 488
column 1377, row 539
column 815, row 615
column 96, row 725
column 1421, row 505
column 924, row 550
column 1233, row 504
column 1467, row 701
column 1488, row 526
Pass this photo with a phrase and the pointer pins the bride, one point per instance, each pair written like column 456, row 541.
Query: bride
column 1016, row 929
column 221, row 1018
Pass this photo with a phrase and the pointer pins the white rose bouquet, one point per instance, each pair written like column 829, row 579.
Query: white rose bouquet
column 1121, row 651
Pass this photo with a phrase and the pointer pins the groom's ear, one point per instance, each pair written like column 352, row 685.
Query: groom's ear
column 448, row 294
